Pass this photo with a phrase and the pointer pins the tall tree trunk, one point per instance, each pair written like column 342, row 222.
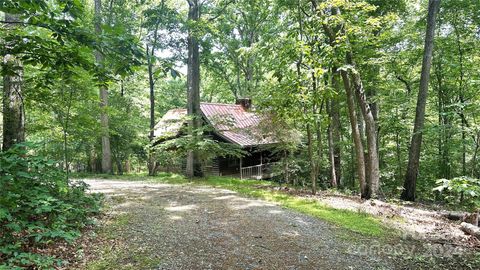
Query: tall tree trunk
column 65, row 129
column 335, row 114
column 372, row 166
column 357, row 139
column 152, row 162
column 313, row 174
column 462, row 99
column 331, row 158
column 415, row 145
column 444, row 121
column 193, row 86
column 475, row 153
column 99, row 58
column 118, row 162
column 354, row 121
column 13, row 107
column 286, row 173
column 331, row 154
column 127, row 165
column 151, row 82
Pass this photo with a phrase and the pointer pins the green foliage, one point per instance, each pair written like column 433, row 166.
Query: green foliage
column 200, row 141
column 464, row 190
column 38, row 207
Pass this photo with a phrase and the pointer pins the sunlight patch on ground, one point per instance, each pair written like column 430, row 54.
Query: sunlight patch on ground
column 291, row 234
column 181, row 208
column 247, row 205
column 301, row 221
column 226, row 197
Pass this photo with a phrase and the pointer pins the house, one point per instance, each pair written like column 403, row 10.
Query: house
column 236, row 124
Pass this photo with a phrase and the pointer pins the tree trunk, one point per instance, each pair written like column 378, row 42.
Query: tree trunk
column 152, row 161
column 462, row 99
column 13, row 107
column 475, row 153
column 119, row 166
column 151, row 155
column 331, row 154
column 415, row 145
column 127, row 166
column 285, row 169
column 193, row 87
column 92, row 168
column 99, row 58
column 65, row 129
column 372, row 166
column 357, row 139
column 470, row 229
column 313, row 175
column 336, row 134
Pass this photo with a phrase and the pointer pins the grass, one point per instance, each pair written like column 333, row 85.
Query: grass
column 358, row 222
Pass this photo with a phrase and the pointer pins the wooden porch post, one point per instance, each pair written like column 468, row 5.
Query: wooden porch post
column 241, row 176
column 261, row 166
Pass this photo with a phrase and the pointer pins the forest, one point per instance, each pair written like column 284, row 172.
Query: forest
column 374, row 99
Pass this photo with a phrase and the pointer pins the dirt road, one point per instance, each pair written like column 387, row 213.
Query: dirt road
column 190, row 227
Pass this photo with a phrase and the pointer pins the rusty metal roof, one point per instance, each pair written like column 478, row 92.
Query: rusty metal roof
column 229, row 121
column 235, row 124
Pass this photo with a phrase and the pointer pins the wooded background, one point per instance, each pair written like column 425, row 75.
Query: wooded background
column 88, row 80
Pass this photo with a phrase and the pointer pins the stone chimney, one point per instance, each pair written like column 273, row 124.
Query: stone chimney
column 246, row 103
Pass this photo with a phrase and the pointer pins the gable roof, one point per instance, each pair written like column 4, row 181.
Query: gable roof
column 229, row 121
column 170, row 124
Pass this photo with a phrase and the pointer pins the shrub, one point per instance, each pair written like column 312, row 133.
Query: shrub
column 463, row 190
column 38, row 206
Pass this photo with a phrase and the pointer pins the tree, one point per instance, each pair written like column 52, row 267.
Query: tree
column 193, row 84
column 357, row 139
column 353, row 82
column 13, row 107
column 160, row 23
column 335, row 129
column 106, row 151
column 372, row 165
column 416, row 142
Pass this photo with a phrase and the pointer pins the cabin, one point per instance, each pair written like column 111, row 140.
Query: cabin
column 236, row 124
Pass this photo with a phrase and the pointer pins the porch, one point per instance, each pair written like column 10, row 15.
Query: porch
column 258, row 165
column 258, row 172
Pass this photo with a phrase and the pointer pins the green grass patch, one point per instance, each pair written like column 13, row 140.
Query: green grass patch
column 358, row 222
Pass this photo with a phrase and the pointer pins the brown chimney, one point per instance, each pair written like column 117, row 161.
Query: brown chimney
column 246, row 103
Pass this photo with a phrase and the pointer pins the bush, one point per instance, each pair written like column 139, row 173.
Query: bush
column 463, row 190
column 38, row 206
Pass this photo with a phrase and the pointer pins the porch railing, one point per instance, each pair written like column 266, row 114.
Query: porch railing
column 258, row 172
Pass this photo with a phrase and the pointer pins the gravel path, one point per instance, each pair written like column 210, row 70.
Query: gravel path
column 188, row 227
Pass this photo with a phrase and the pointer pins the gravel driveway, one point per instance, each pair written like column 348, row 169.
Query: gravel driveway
column 191, row 227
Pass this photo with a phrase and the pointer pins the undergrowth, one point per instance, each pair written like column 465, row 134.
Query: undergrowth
column 38, row 208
